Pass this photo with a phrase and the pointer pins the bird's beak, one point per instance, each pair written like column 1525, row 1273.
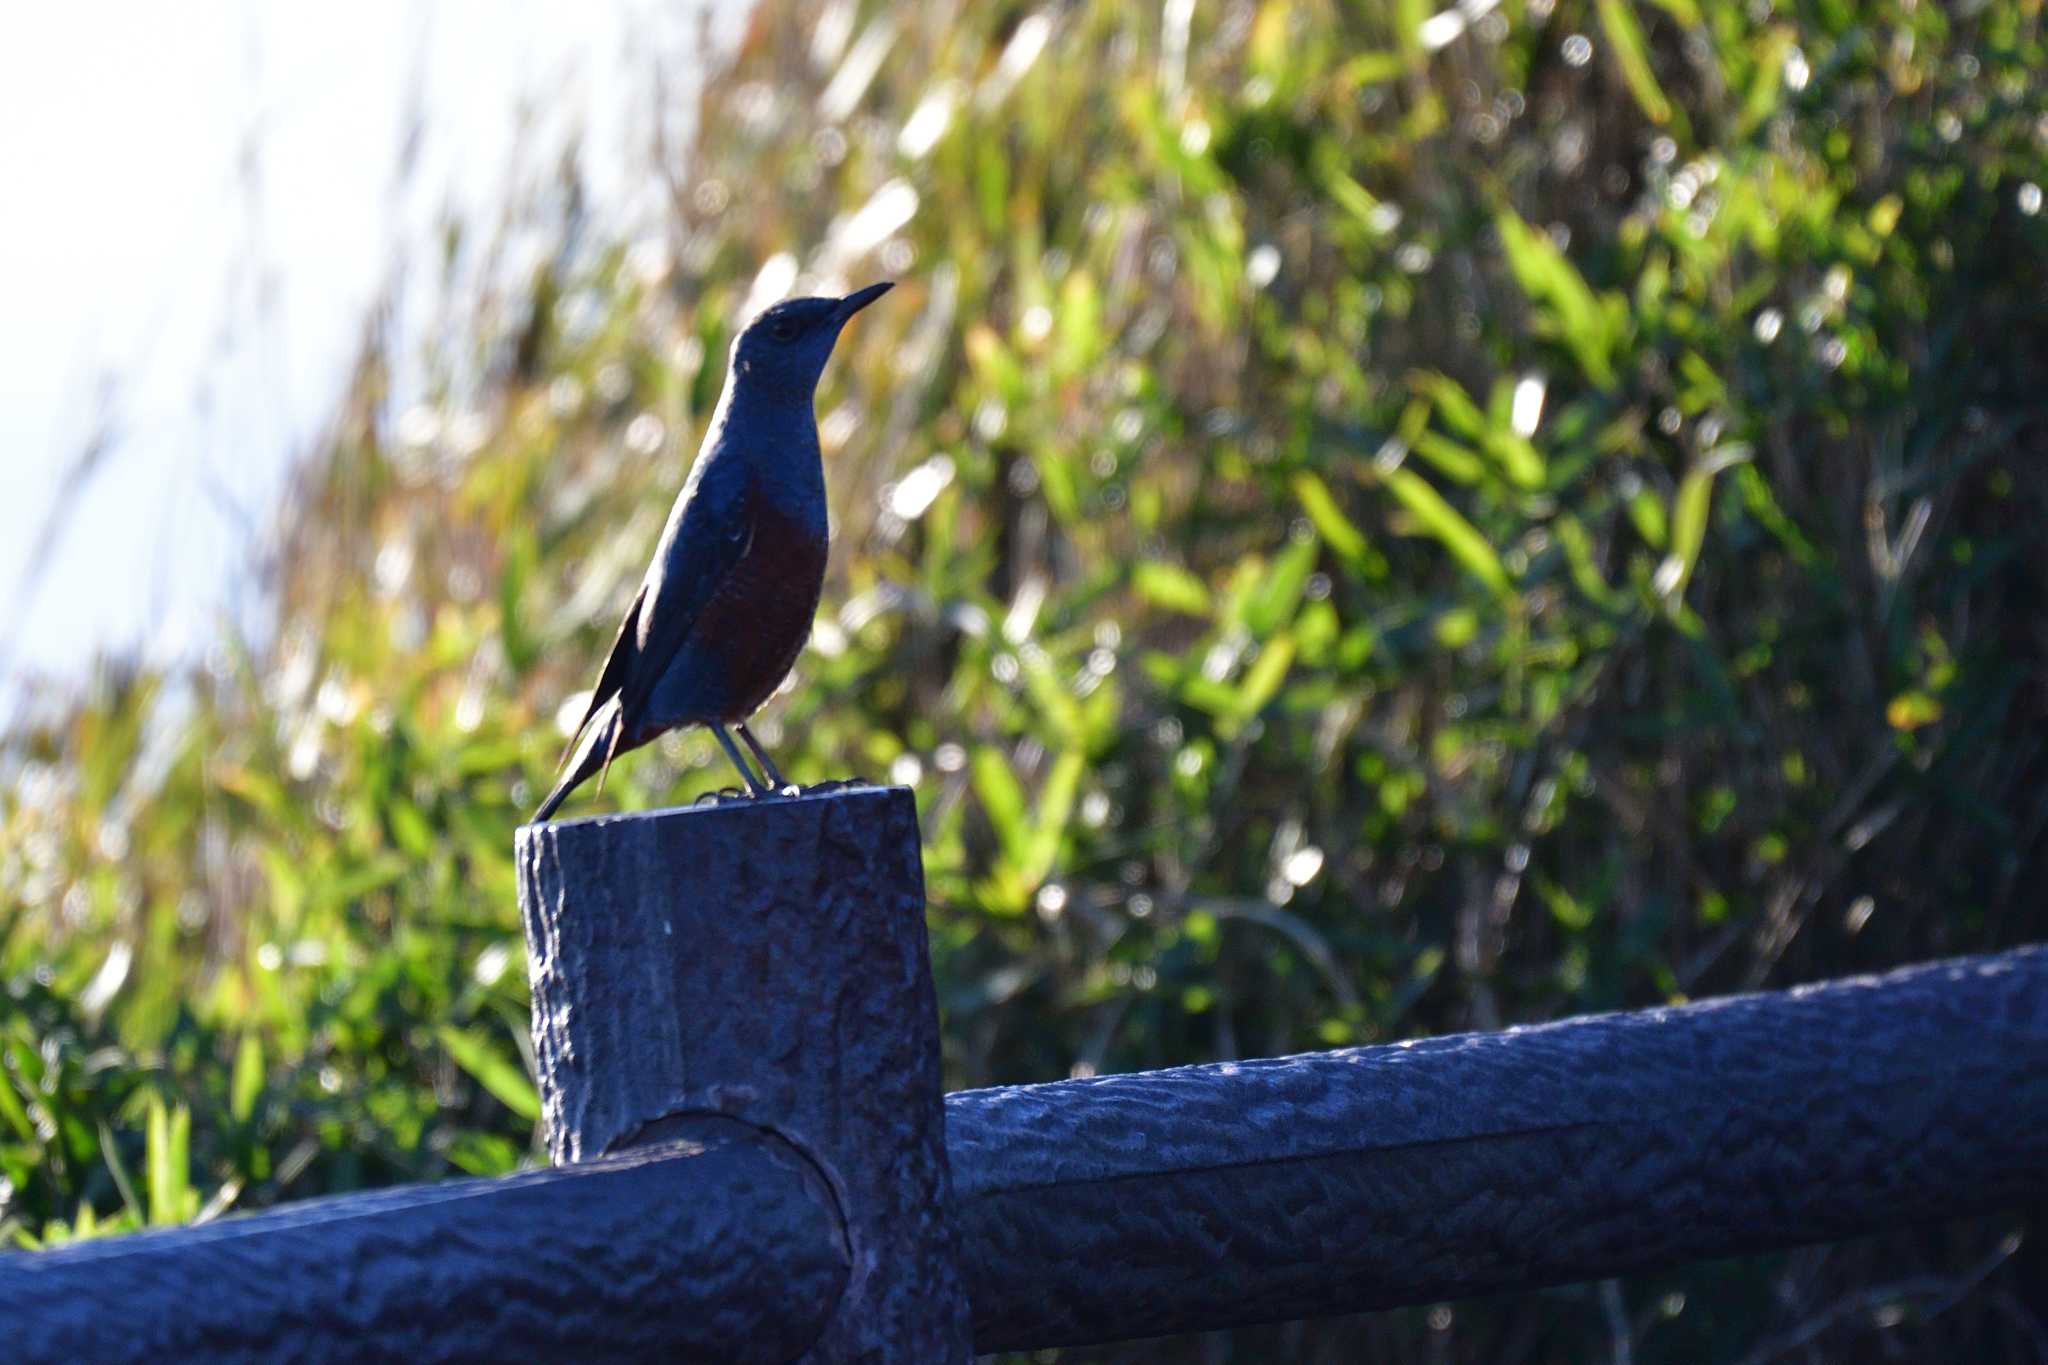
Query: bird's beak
column 861, row 298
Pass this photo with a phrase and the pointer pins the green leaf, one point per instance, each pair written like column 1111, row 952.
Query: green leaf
column 1646, row 514
column 1518, row 458
column 1002, row 801
column 1565, row 908
column 1912, row 710
column 410, row 829
column 1761, row 503
column 1684, row 11
column 484, row 1154
column 1170, row 586
column 1632, row 54
column 520, row 552
column 168, row 1146
column 1218, row 699
column 12, row 1109
column 1408, row 19
column 1457, row 628
column 1055, row 808
column 1767, row 76
column 1578, row 557
column 1451, row 530
column 1451, row 459
column 1452, row 403
column 287, row 884
column 1689, row 508
column 1054, row 698
column 1588, row 325
column 1347, row 193
column 1081, row 338
column 991, row 184
column 110, row 1152
column 1338, row 531
column 1262, row 680
column 1278, row 591
column 1369, row 68
column 490, row 1069
column 247, row 1083
column 1059, row 482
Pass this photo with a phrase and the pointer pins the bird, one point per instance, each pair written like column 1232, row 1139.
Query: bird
column 726, row 604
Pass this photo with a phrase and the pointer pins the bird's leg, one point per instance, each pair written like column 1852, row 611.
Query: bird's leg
column 732, row 752
column 767, row 764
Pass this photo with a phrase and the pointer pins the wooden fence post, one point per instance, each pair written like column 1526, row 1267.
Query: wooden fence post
column 760, row 966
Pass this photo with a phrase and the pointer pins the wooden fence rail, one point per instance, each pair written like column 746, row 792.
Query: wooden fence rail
column 739, row 1066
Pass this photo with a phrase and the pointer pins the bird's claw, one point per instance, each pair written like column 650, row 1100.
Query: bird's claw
column 839, row 784
column 787, row 790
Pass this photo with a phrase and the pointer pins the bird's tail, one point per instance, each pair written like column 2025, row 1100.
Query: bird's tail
column 593, row 753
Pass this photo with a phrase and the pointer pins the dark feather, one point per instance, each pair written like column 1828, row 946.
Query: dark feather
column 617, row 665
column 706, row 537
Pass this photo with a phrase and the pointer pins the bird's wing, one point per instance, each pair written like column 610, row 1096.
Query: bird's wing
column 616, row 665
column 706, row 537
column 700, row 549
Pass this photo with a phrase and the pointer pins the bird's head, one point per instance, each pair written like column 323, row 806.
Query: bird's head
column 786, row 347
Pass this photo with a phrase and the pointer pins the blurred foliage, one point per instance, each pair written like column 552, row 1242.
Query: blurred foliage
column 1358, row 523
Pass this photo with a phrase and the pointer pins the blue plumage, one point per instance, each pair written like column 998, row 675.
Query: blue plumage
column 726, row 604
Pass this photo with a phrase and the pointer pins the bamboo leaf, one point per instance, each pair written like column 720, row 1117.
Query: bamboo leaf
column 1054, row 699
column 1170, row 586
column 1338, row 531
column 1582, row 321
column 247, row 1082
column 1518, row 458
column 1578, row 558
column 1632, row 54
column 1689, row 508
column 1262, row 680
column 167, row 1144
column 1273, row 601
column 1055, row 808
column 1452, row 403
column 1369, row 68
column 1767, row 76
column 110, row 1152
column 1451, row 459
column 1451, row 530
column 1912, row 710
column 1646, row 514
column 12, row 1109
column 490, row 1069
column 1002, row 801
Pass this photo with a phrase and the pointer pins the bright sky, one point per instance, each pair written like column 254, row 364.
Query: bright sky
column 202, row 202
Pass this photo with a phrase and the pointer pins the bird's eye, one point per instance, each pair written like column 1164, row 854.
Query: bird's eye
column 784, row 329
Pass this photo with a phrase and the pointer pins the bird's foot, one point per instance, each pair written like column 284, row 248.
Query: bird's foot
column 726, row 795
column 839, row 784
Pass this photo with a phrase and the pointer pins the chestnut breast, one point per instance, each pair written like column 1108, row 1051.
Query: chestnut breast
column 749, row 634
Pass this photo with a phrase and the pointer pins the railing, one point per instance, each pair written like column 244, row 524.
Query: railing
column 738, row 1052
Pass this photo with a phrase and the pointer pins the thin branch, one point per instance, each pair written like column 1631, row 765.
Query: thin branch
column 1941, row 1295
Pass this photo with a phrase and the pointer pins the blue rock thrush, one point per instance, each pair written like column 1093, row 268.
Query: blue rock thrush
column 726, row 605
